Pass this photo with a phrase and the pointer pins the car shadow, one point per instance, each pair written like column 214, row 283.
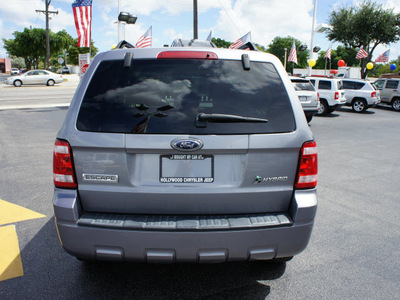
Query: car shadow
column 331, row 115
column 51, row 273
column 350, row 110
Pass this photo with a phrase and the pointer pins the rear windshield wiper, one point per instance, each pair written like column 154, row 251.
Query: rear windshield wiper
column 202, row 119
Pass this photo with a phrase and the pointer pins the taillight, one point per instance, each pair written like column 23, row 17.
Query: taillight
column 63, row 169
column 373, row 94
column 336, row 95
column 187, row 55
column 318, row 95
column 307, row 174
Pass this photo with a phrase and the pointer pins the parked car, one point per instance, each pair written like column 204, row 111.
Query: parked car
column 389, row 91
column 308, row 96
column 185, row 154
column 35, row 77
column 331, row 94
column 63, row 70
column 22, row 71
column 14, row 71
column 360, row 94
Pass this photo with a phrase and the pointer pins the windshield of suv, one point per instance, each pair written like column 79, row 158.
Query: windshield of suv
column 167, row 96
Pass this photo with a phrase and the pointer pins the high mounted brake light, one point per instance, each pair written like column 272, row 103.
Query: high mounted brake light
column 307, row 174
column 63, row 169
column 187, row 55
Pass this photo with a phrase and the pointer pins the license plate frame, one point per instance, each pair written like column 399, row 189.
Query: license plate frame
column 200, row 164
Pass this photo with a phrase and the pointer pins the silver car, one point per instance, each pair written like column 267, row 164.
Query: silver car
column 185, row 155
column 35, row 77
column 308, row 96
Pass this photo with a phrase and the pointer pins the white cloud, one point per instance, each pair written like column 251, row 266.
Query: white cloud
column 266, row 20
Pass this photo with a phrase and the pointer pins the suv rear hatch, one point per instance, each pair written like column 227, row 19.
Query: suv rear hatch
column 177, row 135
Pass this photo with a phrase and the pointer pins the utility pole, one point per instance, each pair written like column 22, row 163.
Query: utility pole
column 47, row 13
column 195, row 21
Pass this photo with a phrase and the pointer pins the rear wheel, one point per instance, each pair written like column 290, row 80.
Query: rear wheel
column 323, row 108
column 309, row 118
column 17, row 83
column 396, row 104
column 359, row 105
column 50, row 82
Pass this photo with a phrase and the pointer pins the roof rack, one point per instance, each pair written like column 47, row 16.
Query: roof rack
column 192, row 43
column 124, row 44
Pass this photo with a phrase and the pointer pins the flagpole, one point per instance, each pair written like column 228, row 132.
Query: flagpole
column 312, row 35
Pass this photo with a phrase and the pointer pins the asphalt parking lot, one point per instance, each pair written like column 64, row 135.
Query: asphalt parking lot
column 353, row 253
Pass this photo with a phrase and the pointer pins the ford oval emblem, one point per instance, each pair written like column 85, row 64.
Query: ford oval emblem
column 189, row 144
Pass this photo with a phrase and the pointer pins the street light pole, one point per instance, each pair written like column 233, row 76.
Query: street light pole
column 195, row 20
column 285, row 56
column 119, row 22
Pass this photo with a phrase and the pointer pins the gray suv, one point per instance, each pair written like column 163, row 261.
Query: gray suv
column 185, row 155
column 390, row 91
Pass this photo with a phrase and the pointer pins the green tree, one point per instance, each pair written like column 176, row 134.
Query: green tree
column 366, row 25
column 277, row 47
column 31, row 46
column 220, row 43
column 74, row 51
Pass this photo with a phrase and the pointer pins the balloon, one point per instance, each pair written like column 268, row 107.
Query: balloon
column 370, row 65
column 311, row 63
column 393, row 67
column 341, row 63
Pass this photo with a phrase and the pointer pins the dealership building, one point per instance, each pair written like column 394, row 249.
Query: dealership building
column 5, row 65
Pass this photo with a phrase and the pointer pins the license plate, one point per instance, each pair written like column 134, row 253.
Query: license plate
column 302, row 98
column 186, row 168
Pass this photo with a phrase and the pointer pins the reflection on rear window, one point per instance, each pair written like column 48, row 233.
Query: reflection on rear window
column 165, row 97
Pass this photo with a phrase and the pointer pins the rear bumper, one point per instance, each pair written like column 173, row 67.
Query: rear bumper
column 163, row 245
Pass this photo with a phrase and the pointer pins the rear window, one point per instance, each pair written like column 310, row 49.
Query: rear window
column 166, row 96
column 302, row 85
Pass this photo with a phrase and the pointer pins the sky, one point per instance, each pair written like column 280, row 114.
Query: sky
column 227, row 19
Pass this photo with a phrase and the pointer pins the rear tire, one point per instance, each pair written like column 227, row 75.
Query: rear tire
column 323, row 108
column 396, row 104
column 50, row 82
column 309, row 118
column 359, row 105
column 17, row 83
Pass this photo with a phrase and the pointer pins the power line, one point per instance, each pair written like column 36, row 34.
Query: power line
column 228, row 14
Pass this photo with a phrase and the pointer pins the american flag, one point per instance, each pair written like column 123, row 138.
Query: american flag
column 384, row 57
column 293, row 54
column 145, row 40
column 328, row 52
column 243, row 40
column 83, row 21
column 361, row 53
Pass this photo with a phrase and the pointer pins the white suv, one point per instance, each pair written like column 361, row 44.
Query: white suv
column 331, row 94
column 360, row 94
